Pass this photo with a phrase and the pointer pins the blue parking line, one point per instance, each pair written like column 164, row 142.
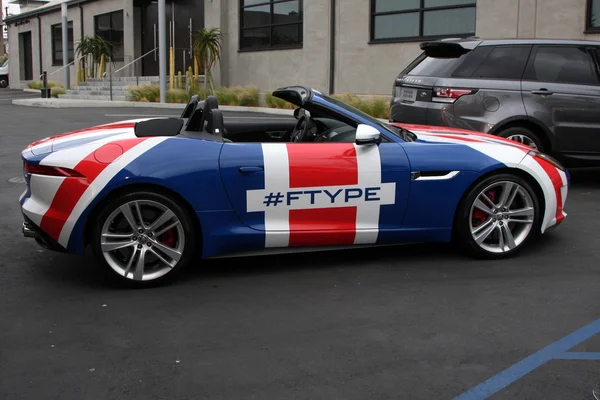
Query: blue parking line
column 557, row 350
column 578, row 356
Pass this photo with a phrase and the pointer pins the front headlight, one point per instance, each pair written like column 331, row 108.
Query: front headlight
column 551, row 160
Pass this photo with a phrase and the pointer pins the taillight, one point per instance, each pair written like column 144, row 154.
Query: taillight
column 450, row 95
column 47, row 170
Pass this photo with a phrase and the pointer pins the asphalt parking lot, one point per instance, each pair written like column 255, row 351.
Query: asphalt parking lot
column 406, row 322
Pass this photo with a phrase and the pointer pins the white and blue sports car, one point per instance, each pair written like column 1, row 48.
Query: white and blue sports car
column 151, row 196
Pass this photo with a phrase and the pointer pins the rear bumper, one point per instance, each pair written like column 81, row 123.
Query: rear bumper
column 421, row 113
column 32, row 231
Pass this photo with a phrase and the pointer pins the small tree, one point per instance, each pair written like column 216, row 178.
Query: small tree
column 95, row 51
column 207, row 49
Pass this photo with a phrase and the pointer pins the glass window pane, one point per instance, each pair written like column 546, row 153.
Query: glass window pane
column 449, row 22
column 287, row 35
column 396, row 5
column 595, row 14
column 252, row 2
column 563, row 65
column 103, row 22
column 286, row 12
column 397, row 26
column 446, row 3
column 504, row 63
column 255, row 38
column 256, row 16
column 117, row 20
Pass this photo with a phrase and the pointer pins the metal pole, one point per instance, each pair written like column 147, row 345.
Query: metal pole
column 65, row 44
column 162, row 50
column 110, row 76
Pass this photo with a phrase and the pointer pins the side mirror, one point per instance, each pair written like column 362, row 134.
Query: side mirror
column 366, row 134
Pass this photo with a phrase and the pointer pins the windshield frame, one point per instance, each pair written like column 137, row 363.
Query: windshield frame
column 396, row 131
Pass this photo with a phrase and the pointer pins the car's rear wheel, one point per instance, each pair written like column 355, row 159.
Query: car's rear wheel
column 525, row 136
column 144, row 238
column 499, row 216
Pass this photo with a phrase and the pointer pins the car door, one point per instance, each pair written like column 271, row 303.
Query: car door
column 303, row 194
column 561, row 88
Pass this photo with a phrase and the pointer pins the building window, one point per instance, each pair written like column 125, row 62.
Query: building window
column 396, row 21
column 593, row 16
column 274, row 24
column 57, row 49
column 110, row 28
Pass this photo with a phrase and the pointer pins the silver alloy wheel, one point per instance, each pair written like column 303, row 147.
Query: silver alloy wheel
column 142, row 240
column 526, row 140
column 502, row 217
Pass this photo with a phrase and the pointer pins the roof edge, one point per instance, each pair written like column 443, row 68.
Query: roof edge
column 45, row 9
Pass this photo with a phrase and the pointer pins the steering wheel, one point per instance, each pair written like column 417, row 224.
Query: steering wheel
column 300, row 132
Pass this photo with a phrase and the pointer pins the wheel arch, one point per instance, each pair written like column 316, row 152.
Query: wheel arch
column 147, row 187
column 530, row 123
column 505, row 170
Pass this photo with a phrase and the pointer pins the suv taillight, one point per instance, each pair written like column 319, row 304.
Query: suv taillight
column 450, row 95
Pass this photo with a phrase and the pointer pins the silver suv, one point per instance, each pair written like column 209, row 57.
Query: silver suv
column 544, row 93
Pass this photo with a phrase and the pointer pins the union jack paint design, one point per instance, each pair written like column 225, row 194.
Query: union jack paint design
column 295, row 194
column 55, row 203
column 328, row 194
column 553, row 181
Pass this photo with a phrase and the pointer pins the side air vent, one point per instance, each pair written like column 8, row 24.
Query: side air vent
column 433, row 175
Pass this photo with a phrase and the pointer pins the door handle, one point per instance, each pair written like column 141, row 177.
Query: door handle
column 543, row 92
column 250, row 170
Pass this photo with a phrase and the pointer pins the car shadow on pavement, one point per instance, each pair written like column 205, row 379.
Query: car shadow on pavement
column 585, row 177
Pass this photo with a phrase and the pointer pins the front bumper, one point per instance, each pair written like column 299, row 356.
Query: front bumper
column 31, row 230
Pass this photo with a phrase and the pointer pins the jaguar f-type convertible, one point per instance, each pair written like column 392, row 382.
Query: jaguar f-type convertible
column 153, row 195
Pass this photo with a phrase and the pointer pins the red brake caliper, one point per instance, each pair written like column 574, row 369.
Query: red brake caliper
column 168, row 238
column 479, row 217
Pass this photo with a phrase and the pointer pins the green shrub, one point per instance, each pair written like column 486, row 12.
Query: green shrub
column 147, row 93
column 40, row 84
column 276, row 102
column 177, row 96
column 375, row 106
column 247, row 96
column 58, row 90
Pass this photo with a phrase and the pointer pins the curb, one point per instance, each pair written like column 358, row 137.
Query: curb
column 74, row 103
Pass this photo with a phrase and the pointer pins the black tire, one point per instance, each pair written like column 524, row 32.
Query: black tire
column 181, row 213
column 528, row 134
column 462, row 223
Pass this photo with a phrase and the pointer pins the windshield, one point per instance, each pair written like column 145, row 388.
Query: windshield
column 397, row 131
column 3, row 63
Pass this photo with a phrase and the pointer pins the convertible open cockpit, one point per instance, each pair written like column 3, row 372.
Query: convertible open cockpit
column 203, row 119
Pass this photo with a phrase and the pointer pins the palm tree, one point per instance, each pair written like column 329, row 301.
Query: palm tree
column 96, row 50
column 207, row 48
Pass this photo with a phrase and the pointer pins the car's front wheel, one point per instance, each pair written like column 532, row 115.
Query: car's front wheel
column 498, row 216
column 144, row 238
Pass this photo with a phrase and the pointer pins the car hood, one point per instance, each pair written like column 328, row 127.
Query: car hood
column 441, row 134
column 104, row 133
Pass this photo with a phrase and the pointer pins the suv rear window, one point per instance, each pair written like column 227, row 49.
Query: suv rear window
column 429, row 66
column 505, row 62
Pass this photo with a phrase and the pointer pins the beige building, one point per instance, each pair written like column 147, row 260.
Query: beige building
column 336, row 46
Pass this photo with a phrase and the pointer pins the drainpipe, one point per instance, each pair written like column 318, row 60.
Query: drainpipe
column 40, row 44
column 80, row 19
column 332, row 48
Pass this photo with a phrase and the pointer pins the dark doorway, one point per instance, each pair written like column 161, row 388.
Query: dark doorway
column 26, row 56
column 188, row 18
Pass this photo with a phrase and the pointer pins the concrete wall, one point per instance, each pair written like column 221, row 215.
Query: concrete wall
column 90, row 10
column 361, row 67
column 366, row 68
column 13, row 43
column 275, row 68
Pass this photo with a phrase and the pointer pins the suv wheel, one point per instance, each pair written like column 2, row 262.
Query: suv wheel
column 525, row 136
